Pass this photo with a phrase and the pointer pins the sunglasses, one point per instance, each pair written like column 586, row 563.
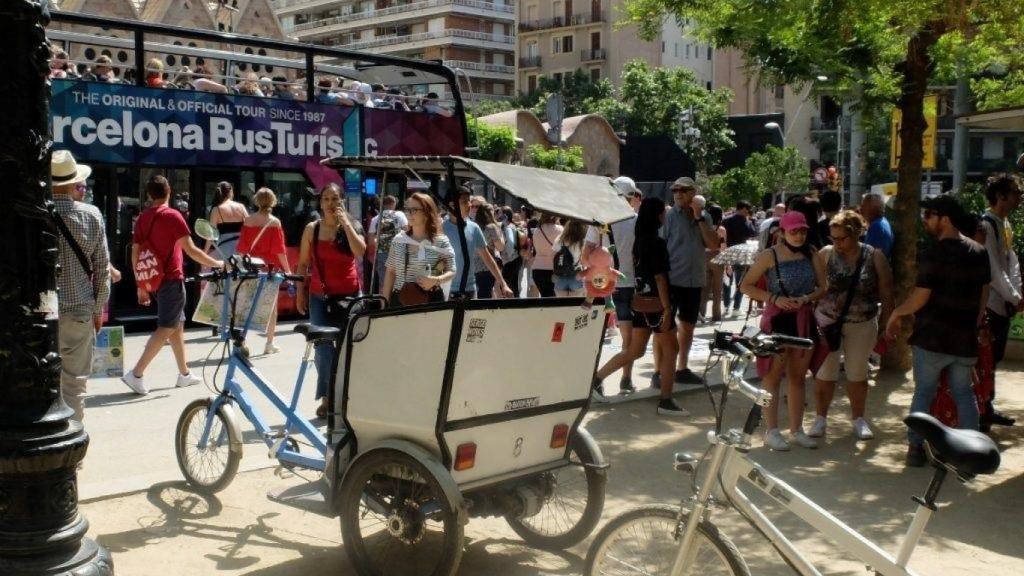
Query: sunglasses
column 413, row 209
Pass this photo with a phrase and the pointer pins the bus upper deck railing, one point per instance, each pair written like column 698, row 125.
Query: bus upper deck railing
column 307, row 62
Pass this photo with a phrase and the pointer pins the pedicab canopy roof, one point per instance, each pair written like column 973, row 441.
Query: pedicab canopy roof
column 591, row 199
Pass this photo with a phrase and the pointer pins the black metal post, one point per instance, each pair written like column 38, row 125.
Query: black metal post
column 41, row 531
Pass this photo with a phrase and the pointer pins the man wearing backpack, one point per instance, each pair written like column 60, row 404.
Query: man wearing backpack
column 1003, row 193
column 82, row 282
column 383, row 229
column 162, row 234
column 511, row 255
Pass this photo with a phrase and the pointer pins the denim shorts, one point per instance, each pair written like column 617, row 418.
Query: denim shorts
column 567, row 283
column 623, row 300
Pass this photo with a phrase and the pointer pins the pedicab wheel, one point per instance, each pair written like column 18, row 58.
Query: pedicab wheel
column 645, row 540
column 212, row 467
column 396, row 520
column 573, row 501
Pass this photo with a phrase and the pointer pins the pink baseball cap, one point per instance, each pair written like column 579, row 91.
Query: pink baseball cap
column 793, row 220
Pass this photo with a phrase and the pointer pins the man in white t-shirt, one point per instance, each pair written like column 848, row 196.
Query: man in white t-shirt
column 621, row 237
column 394, row 221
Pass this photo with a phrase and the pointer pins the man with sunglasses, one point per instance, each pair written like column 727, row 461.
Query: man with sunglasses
column 948, row 303
column 688, row 233
column 82, row 282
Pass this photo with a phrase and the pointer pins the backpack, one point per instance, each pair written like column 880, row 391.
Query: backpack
column 511, row 251
column 387, row 229
column 565, row 264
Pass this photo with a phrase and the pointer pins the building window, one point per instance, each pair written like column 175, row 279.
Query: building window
column 531, row 84
column 595, row 75
column 675, row 49
column 1010, row 147
column 567, row 44
column 709, row 85
column 709, row 52
column 687, row 51
column 561, row 44
column 557, row 76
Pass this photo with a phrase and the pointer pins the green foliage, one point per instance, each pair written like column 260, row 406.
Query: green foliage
column 566, row 160
column 495, row 143
column 772, row 171
column 482, row 108
column 577, row 90
column 734, row 185
column 972, row 198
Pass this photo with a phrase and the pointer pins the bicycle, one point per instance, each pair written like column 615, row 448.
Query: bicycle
column 208, row 439
column 664, row 540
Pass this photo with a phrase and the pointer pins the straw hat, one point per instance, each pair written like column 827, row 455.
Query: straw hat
column 64, row 170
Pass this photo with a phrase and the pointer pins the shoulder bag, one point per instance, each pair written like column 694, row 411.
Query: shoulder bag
column 784, row 321
column 149, row 267
column 832, row 333
column 645, row 303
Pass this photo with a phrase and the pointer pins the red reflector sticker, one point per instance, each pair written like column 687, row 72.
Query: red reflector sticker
column 556, row 334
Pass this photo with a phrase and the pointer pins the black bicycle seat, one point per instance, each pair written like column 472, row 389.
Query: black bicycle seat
column 313, row 332
column 969, row 452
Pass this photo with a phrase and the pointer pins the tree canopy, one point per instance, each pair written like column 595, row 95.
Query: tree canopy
column 891, row 50
column 771, row 171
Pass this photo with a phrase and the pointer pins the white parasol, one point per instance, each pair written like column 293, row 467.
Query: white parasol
column 739, row 255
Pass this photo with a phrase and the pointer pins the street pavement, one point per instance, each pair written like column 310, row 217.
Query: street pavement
column 139, row 508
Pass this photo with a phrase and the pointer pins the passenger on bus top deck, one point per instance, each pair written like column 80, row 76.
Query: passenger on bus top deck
column 283, row 89
column 326, row 96
column 101, row 71
column 364, row 95
column 203, row 80
column 431, row 106
column 59, row 67
column 250, row 86
column 155, row 73
column 396, row 100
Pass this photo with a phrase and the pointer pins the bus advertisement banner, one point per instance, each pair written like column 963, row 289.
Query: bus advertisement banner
column 133, row 125
column 398, row 133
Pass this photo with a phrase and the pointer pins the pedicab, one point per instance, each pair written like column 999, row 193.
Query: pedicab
column 446, row 411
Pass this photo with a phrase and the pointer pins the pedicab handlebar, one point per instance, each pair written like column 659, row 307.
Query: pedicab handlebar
column 745, row 347
column 242, row 267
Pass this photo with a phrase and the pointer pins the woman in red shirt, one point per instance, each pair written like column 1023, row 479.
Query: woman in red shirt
column 263, row 237
column 328, row 257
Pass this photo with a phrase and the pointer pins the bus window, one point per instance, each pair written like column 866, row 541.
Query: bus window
column 296, row 203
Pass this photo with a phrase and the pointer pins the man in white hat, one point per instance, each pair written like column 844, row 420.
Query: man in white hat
column 82, row 279
column 619, row 241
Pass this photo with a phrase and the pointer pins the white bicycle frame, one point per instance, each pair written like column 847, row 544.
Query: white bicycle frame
column 731, row 469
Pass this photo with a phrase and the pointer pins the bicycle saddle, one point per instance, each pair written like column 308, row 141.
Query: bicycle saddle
column 313, row 332
column 969, row 452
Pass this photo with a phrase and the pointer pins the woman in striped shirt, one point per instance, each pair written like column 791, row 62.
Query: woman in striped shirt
column 421, row 253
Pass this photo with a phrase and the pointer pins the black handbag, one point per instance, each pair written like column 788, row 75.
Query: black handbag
column 832, row 333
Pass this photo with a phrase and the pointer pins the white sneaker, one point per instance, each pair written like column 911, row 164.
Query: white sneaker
column 862, row 430
column 818, row 427
column 803, row 439
column 135, row 383
column 270, row 349
column 773, row 439
column 187, row 380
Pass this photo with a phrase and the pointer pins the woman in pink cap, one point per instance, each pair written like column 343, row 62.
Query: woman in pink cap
column 795, row 280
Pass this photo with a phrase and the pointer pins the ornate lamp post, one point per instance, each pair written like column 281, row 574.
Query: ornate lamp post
column 41, row 531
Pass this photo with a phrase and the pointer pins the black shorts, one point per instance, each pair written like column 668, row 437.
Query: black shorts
column 623, row 300
column 686, row 302
column 170, row 304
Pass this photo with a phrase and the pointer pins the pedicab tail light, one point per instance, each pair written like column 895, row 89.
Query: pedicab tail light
column 465, row 456
column 559, row 436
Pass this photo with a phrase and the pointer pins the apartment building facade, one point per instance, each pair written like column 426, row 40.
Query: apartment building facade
column 476, row 37
column 558, row 37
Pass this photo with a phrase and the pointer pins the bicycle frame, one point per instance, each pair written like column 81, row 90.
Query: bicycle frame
column 731, row 469
column 239, row 364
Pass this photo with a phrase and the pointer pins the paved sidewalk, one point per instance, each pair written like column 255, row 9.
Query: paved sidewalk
column 155, row 526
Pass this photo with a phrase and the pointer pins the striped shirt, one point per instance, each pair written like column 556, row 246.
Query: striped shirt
column 77, row 294
column 411, row 259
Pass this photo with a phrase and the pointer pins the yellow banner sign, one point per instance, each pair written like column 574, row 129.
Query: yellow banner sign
column 931, row 117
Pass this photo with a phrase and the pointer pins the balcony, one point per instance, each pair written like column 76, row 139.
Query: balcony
column 482, row 70
column 504, row 42
column 529, row 62
column 595, row 17
column 393, row 13
column 593, row 55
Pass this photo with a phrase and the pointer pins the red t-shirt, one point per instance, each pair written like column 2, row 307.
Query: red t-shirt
column 342, row 276
column 162, row 226
column 270, row 245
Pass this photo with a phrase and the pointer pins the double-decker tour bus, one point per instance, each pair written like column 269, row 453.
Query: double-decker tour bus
column 250, row 111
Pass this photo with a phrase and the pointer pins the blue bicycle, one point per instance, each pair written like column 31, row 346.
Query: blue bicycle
column 208, row 439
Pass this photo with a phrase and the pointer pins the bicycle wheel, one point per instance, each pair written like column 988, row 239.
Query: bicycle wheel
column 573, row 501
column 645, row 540
column 396, row 520
column 212, row 467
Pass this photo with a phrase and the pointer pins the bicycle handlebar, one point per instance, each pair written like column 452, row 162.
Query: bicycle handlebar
column 746, row 349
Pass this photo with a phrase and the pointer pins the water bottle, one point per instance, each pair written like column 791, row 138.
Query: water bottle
column 291, row 289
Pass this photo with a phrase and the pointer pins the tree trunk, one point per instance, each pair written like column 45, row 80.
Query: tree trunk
column 906, row 216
